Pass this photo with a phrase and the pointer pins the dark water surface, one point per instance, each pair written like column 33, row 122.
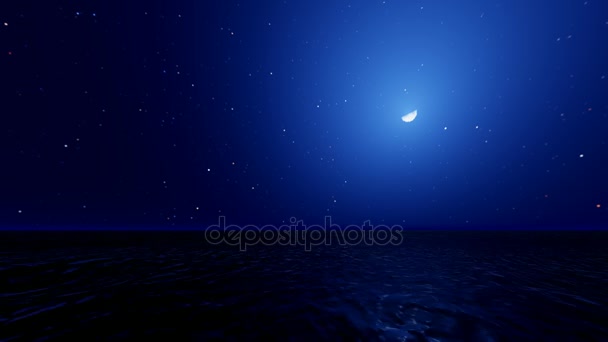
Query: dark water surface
column 436, row 286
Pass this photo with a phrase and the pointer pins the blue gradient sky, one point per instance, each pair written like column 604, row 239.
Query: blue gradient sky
column 170, row 114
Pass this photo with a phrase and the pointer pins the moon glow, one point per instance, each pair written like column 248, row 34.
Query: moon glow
column 409, row 117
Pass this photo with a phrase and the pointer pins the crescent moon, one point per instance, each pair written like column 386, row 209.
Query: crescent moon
column 409, row 117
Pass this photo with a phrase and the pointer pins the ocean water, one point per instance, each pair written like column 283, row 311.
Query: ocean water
column 435, row 286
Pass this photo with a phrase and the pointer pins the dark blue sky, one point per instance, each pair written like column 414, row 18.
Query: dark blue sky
column 172, row 113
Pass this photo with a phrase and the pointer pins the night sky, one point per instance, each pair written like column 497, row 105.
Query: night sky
column 169, row 114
